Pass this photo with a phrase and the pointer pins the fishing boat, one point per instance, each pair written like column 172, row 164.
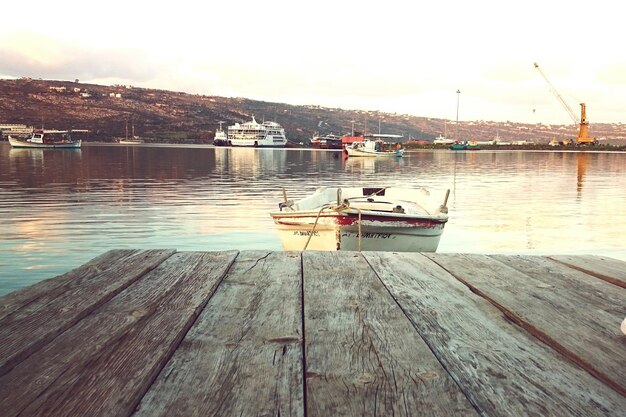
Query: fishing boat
column 326, row 142
column 366, row 219
column 46, row 139
column 372, row 148
column 458, row 146
column 220, row 138
column 471, row 145
column 261, row 135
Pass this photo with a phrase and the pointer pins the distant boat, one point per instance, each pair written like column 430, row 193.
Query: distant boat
column 46, row 139
column 326, row 142
column 133, row 140
column 220, row 138
column 253, row 134
column 348, row 139
column 372, row 148
column 442, row 140
column 471, row 145
column 458, row 146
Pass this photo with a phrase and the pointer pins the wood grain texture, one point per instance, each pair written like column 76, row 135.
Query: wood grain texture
column 106, row 370
column 55, row 308
column 53, row 287
column 547, row 298
column 243, row 356
column 159, row 333
column 503, row 369
column 363, row 356
column 603, row 267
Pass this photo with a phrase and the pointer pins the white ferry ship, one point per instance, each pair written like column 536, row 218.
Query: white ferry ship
column 266, row 134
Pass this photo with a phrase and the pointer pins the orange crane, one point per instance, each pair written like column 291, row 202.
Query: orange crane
column 583, row 126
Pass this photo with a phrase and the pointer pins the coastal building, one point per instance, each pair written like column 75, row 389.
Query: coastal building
column 15, row 130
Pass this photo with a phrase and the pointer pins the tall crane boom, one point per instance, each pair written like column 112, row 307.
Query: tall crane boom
column 583, row 130
column 558, row 96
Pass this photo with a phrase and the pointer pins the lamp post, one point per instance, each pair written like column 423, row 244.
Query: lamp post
column 456, row 133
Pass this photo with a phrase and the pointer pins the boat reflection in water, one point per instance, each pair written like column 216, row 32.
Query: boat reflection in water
column 368, row 219
column 40, row 157
column 250, row 160
column 372, row 165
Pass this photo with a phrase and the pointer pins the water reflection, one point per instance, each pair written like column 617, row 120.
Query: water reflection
column 373, row 165
column 581, row 165
column 59, row 209
column 249, row 161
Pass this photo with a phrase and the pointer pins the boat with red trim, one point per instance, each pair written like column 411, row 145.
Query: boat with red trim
column 329, row 141
column 367, row 219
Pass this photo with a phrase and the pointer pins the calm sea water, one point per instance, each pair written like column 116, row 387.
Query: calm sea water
column 61, row 208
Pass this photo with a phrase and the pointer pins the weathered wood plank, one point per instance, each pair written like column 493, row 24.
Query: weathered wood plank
column 30, row 327
column 504, row 370
column 576, row 314
column 243, row 356
column 363, row 356
column 608, row 269
column 53, row 287
column 72, row 350
column 103, row 365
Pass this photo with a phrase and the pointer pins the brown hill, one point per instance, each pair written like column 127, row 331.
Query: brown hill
column 168, row 116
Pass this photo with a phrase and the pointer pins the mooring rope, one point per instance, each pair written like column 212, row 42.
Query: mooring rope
column 338, row 208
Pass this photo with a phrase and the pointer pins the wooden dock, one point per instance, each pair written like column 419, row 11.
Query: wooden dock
column 251, row 333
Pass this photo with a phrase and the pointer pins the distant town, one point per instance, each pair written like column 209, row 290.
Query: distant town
column 103, row 113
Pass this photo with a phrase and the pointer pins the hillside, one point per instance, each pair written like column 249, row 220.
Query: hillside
column 167, row 116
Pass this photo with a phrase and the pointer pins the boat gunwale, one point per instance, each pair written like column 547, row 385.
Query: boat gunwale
column 365, row 215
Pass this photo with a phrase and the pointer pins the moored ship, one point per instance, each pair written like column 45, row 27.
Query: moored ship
column 262, row 135
column 326, row 142
column 46, row 139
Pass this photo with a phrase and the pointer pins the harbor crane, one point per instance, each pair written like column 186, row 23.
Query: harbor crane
column 583, row 125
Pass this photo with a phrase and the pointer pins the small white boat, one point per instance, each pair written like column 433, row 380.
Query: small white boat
column 442, row 140
column 46, row 139
column 366, row 219
column 371, row 148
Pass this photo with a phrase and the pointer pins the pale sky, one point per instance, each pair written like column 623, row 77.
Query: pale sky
column 391, row 56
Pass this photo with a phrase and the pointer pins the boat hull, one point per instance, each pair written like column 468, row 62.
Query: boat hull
column 341, row 232
column 20, row 143
column 366, row 153
column 268, row 142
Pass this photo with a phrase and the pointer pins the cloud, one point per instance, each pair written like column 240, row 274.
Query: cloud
column 34, row 55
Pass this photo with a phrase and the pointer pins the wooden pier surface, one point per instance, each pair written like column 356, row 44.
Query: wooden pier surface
column 251, row 333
